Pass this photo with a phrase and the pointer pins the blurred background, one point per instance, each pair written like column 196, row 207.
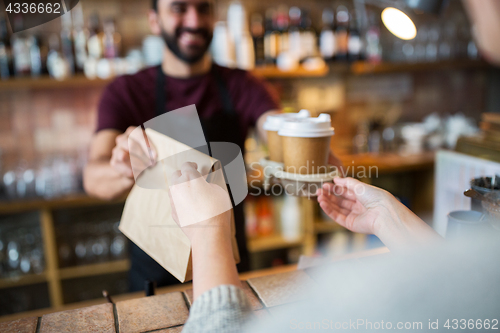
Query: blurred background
column 394, row 102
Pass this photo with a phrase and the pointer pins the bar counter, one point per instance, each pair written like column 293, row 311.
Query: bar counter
column 168, row 310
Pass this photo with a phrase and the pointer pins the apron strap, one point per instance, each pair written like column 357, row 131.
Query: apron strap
column 160, row 92
column 224, row 95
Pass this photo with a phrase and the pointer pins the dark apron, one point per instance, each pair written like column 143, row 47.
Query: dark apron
column 223, row 126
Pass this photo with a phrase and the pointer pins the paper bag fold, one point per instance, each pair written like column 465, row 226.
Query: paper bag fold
column 147, row 219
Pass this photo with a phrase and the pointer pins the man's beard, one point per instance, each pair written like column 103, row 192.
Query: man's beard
column 172, row 42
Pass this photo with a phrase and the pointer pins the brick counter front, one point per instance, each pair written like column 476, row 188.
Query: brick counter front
column 161, row 313
column 270, row 294
column 97, row 318
column 152, row 313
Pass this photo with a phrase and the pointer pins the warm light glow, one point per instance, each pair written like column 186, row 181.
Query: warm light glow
column 398, row 23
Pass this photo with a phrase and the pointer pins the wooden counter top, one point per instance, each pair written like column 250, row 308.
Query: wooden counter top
column 183, row 287
column 387, row 162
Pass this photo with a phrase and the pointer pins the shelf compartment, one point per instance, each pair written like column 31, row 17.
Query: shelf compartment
column 273, row 242
column 363, row 68
column 271, row 72
column 267, row 71
column 95, row 269
column 74, row 200
column 47, row 82
column 89, row 288
column 322, row 227
column 80, row 81
column 22, row 280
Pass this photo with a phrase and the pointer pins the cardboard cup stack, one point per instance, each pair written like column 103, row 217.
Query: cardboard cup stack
column 272, row 126
column 306, row 143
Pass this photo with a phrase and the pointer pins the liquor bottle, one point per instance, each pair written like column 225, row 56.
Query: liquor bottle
column 342, row 33
column 354, row 44
column 271, row 37
column 431, row 51
column 373, row 50
column 4, row 50
column 251, row 222
column 53, row 54
column 94, row 43
column 257, row 32
column 110, row 39
column 295, row 31
column 66, row 41
column 20, row 49
column 57, row 65
column 35, row 56
column 308, row 37
column 79, row 38
column 282, row 25
column 4, row 62
column 265, row 218
column 327, row 36
column 291, row 226
column 21, row 55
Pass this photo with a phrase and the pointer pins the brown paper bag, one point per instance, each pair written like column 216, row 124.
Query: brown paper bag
column 147, row 219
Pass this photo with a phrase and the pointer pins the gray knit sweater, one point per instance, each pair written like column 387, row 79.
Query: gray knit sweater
column 222, row 309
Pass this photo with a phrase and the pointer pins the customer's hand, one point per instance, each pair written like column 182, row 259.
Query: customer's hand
column 192, row 196
column 358, row 213
column 336, row 162
column 367, row 209
column 132, row 155
column 198, row 207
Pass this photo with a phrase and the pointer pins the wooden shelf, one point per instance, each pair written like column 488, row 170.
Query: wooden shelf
column 80, row 81
column 271, row 72
column 69, row 273
column 370, row 162
column 274, row 242
column 75, row 200
column 46, row 82
column 322, row 227
column 95, row 269
column 362, row 68
column 386, row 163
column 268, row 71
column 22, row 280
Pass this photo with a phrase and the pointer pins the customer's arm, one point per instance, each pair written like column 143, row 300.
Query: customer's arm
column 367, row 209
column 213, row 260
column 485, row 21
column 220, row 305
column 108, row 173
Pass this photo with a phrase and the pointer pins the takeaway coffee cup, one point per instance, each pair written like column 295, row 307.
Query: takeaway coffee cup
column 306, row 143
column 272, row 126
column 466, row 223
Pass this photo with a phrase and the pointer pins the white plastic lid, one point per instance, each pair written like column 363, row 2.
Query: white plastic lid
column 274, row 122
column 308, row 127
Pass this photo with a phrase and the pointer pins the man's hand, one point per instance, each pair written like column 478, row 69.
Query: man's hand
column 132, row 155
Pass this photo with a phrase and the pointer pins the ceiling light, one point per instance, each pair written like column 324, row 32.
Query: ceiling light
column 398, row 23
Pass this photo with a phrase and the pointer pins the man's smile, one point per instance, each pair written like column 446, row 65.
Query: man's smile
column 190, row 39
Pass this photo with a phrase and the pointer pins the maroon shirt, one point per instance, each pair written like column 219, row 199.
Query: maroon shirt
column 130, row 100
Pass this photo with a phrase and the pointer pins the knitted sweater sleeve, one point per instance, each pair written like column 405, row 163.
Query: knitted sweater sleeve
column 222, row 309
